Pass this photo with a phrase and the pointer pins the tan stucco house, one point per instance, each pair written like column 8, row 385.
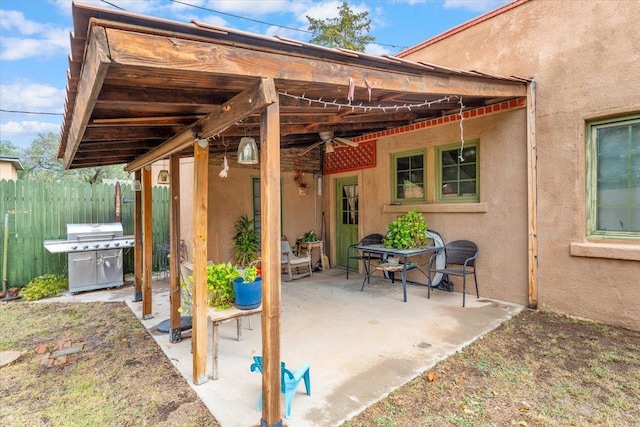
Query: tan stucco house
column 9, row 167
column 525, row 138
column 588, row 247
column 585, row 59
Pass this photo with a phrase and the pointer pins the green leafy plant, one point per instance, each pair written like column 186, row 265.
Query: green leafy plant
column 220, row 292
column 246, row 241
column 309, row 236
column 45, row 286
column 408, row 231
column 250, row 273
column 220, row 285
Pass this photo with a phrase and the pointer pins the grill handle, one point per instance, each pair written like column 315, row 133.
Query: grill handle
column 95, row 236
column 83, row 259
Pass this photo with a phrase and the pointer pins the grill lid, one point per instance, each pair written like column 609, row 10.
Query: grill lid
column 83, row 232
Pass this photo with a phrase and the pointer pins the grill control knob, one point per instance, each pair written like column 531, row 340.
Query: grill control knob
column 74, row 247
column 85, row 247
column 116, row 244
column 106, row 245
column 96, row 245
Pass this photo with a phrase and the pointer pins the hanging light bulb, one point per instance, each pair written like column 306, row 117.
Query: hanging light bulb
column 248, row 151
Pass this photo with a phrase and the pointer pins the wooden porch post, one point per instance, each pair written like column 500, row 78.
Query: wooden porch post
column 147, row 244
column 532, row 194
column 175, row 333
column 137, row 237
column 271, row 232
column 200, row 229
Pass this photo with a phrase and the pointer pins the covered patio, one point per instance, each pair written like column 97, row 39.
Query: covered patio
column 143, row 90
column 360, row 345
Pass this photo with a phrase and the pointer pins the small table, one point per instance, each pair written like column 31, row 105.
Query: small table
column 405, row 254
column 215, row 318
column 308, row 247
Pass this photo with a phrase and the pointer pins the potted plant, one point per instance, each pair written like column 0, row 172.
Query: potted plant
column 246, row 241
column 248, row 287
column 220, row 293
column 408, row 231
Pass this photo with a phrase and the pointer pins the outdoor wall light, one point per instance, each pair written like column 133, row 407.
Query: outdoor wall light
column 163, row 177
column 248, row 151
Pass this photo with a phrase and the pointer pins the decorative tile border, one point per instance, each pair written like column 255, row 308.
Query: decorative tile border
column 500, row 107
column 364, row 155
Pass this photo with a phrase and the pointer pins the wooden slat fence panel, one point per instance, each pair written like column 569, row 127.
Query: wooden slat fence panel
column 40, row 211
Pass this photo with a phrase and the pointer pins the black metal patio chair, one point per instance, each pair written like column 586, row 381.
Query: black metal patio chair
column 463, row 255
column 365, row 257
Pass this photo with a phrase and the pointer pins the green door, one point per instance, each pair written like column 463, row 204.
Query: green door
column 347, row 219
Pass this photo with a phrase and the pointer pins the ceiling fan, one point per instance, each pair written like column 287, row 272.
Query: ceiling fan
column 328, row 139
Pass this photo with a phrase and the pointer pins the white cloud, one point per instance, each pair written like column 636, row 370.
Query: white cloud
column 249, row 7
column 474, row 5
column 376, row 49
column 44, row 40
column 28, row 127
column 32, row 97
column 11, row 20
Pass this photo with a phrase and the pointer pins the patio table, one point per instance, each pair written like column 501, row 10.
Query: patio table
column 404, row 254
column 215, row 318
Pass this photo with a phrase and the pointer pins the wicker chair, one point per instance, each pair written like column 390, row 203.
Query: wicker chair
column 460, row 253
column 365, row 257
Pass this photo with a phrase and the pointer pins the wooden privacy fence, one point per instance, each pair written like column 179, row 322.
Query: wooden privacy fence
column 39, row 211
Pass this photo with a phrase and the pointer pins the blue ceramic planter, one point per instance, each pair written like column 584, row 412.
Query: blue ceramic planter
column 248, row 295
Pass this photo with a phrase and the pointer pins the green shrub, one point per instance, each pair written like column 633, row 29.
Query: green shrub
column 45, row 286
column 220, row 285
column 408, row 231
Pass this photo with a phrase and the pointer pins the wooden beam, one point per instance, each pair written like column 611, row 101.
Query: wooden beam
column 532, row 195
column 254, row 99
column 175, row 333
column 137, row 235
column 200, row 233
column 147, row 244
column 160, row 51
column 94, row 71
column 271, row 282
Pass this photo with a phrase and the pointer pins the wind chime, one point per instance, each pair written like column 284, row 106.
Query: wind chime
column 225, row 165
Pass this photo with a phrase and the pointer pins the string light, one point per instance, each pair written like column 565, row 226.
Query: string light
column 367, row 108
column 461, row 130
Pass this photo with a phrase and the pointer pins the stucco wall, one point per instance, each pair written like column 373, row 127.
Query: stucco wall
column 231, row 197
column 585, row 58
column 8, row 171
column 499, row 227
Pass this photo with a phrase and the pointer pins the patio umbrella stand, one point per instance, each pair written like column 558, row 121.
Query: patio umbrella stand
column 165, row 325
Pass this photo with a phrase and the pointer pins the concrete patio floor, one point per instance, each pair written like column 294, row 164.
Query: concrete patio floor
column 360, row 345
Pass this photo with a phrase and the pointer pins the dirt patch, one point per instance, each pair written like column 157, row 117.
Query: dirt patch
column 89, row 364
column 537, row 369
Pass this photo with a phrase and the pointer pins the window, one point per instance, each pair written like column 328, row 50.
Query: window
column 409, row 177
column 613, row 178
column 458, row 177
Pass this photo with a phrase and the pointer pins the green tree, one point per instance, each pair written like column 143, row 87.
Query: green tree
column 40, row 163
column 349, row 30
column 8, row 149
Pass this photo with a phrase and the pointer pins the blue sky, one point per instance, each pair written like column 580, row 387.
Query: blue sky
column 34, row 40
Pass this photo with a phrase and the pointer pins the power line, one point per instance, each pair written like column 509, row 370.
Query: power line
column 31, row 112
column 267, row 23
column 252, row 20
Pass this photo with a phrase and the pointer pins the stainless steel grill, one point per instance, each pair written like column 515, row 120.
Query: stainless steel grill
column 95, row 255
